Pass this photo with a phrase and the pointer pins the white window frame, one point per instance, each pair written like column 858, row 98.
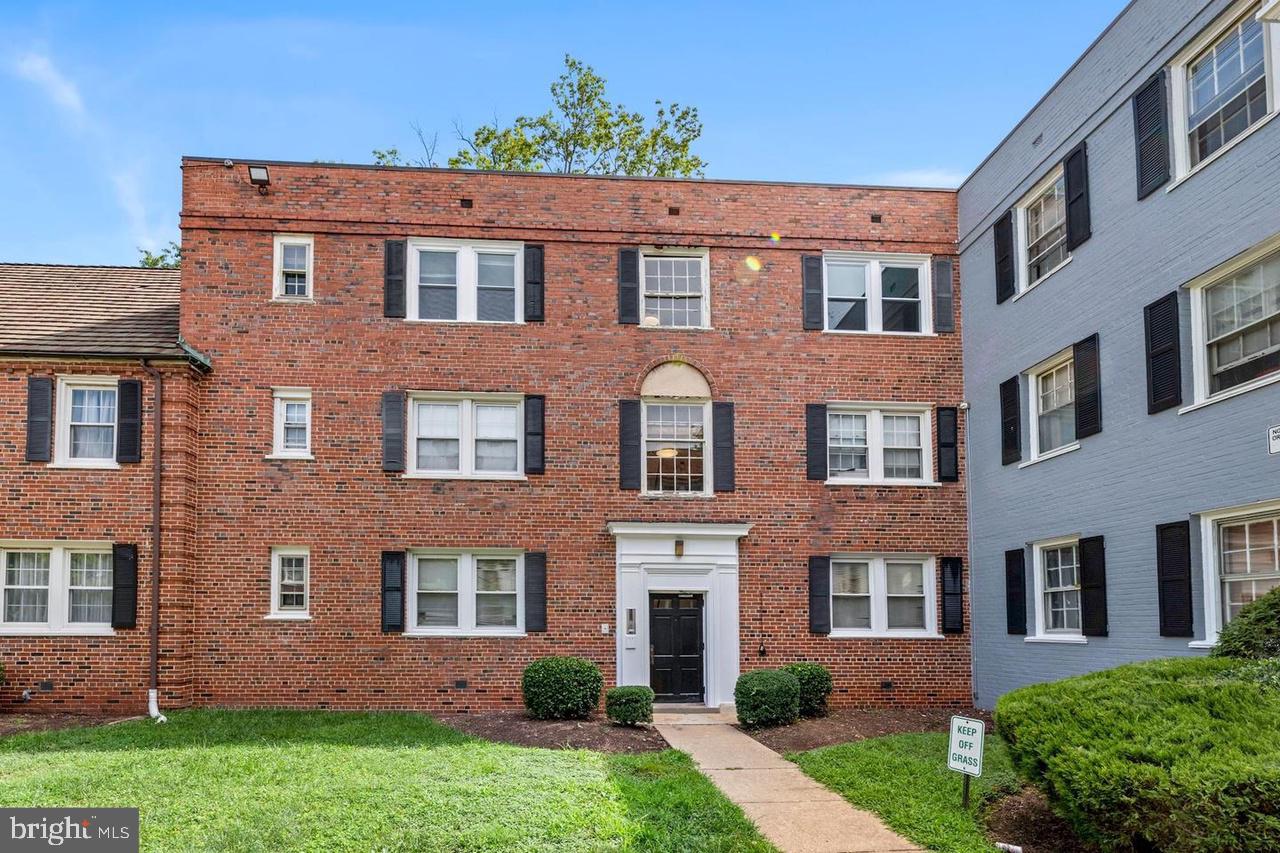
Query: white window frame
column 280, row 397
column 290, row 613
column 880, row 599
column 59, row 622
column 277, row 265
column 875, row 413
column 1210, row 523
column 1178, row 70
column 704, row 255
column 467, row 277
column 466, row 435
column 1021, row 233
column 62, row 417
column 1043, row 634
column 1050, row 364
column 1199, row 326
column 708, row 469
column 466, row 593
column 875, row 263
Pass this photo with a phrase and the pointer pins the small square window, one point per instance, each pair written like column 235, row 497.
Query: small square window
column 292, row 423
column 86, row 422
column 290, row 583
column 293, row 265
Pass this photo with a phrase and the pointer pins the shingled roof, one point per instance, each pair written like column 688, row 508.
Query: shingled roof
column 53, row 309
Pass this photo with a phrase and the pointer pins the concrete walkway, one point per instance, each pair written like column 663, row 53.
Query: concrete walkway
column 794, row 812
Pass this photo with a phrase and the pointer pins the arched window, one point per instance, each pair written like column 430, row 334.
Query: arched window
column 676, row 430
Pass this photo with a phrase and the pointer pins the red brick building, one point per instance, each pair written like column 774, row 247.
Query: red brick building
column 458, row 421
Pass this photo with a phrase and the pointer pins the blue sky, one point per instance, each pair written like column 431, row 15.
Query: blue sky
column 100, row 100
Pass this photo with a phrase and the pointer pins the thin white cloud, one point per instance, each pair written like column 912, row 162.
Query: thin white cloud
column 39, row 69
column 128, row 189
column 929, row 177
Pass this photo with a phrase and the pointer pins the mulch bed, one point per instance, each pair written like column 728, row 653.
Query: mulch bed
column 597, row 733
column 12, row 724
column 848, row 725
column 1025, row 819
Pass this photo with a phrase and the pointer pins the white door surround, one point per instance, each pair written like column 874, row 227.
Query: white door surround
column 708, row 564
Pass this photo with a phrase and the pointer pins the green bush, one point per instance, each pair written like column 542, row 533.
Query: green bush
column 561, row 688
column 1180, row 755
column 815, row 687
column 629, row 706
column 1254, row 632
column 767, row 697
column 1264, row 672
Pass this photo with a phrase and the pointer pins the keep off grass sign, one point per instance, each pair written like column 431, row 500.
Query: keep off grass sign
column 965, row 753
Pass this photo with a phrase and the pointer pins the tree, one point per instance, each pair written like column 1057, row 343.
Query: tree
column 583, row 133
column 168, row 258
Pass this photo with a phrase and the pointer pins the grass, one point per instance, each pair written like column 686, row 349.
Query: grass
column 905, row 780
column 322, row 781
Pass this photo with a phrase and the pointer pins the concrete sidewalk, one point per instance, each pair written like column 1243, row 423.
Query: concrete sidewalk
column 794, row 812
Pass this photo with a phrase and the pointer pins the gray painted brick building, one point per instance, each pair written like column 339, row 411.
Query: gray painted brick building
column 1120, row 266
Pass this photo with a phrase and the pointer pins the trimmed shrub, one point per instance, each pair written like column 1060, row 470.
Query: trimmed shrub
column 767, row 697
column 561, row 688
column 1254, row 632
column 815, row 687
column 1179, row 755
column 1264, row 672
column 629, row 706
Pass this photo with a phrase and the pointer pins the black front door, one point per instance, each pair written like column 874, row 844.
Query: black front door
column 675, row 646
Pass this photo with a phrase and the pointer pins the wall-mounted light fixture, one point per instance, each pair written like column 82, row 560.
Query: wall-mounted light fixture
column 679, row 547
column 260, row 178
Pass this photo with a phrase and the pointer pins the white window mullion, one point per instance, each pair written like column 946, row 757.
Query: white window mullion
column 467, row 592
column 875, row 445
column 879, row 597
column 467, row 278
column 467, row 439
column 59, row 585
column 875, row 312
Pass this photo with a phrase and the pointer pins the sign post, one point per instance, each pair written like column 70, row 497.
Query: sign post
column 964, row 754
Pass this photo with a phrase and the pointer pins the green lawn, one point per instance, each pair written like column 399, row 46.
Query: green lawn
column 287, row 780
column 904, row 779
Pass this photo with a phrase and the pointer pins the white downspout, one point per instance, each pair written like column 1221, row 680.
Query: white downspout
column 153, row 706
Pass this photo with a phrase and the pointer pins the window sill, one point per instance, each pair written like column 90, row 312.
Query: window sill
column 463, row 634
column 885, row 635
column 509, row 478
column 106, row 465
column 677, row 496
column 46, row 631
column 1067, row 639
column 428, row 321
column 1202, row 644
column 305, row 457
column 1052, row 454
column 287, row 617
column 675, row 328
column 1203, row 164
column 1260, row 382
column 294, row 300
column 851, row 481
column 1041, row 280
column 880, row 334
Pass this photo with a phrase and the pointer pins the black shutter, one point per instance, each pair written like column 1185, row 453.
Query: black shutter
column 1015, row 590
column 948, row 444
column 1173, row 576
column 1164, row 354
column 124, row 586
column 393, row 416
column 393, row 572
column 820, row 595
column 944, row 302
column 722, row 445
column 393, row 278
column 952, row 595
column 1075, row 171
column 628, row 444
column 1151, row 135
column 815, row 426
column 535, row 427
column 39, row 418
column 629, row 286
column 1005, row 282
column 533, row 284
column 535, row 592
column 1010, row 421
column 129, row 421
column 1088, row 388
column 811, row 280
column 1093, row 587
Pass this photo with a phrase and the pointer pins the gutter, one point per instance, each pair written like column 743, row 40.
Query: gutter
column 157, row 429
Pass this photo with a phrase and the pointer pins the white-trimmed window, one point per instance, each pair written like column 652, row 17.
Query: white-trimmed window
column 476, row 436
column 293, row 265
column 1053, row 405
column 464, row 593
column 292, row 431
column 465, row 281
column 677, row 447
column 1248, row 561
column 877, row 293
column 290, row 583
column 86, row 421
column 675, row 288
column 1224, row 85
column 55, row 588
column 1041, row 224
column 879, row 444
column 1235, row 313
column 1057, row 588
column 883, row 595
